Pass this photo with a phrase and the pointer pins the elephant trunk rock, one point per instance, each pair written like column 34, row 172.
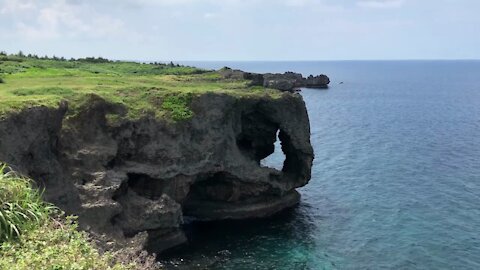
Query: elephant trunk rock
column 145, row 175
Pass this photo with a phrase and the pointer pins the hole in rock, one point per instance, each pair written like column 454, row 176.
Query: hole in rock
column 145, row 185
column 262, row 140
column 259, row 141
column 277, row 158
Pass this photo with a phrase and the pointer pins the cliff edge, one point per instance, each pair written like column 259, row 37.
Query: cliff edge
column 134, row 148
column 145, row 175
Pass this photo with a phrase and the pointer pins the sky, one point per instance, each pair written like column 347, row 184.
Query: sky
column 246, row 30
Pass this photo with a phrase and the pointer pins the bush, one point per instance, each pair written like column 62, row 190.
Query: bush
column 1, row 80
column 21, row 206
column 94, row 60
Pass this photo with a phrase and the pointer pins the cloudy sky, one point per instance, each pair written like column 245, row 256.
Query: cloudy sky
column 243, row 29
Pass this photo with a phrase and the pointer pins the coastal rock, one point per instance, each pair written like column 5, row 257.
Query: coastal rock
column 283, row 82
column 288, row 81
column 143, row 176
column 320, row 81
column 235, row 74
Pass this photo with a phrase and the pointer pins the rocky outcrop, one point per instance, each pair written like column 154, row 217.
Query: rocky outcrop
column 320, row 81
column 288, row 81
column 137, row 177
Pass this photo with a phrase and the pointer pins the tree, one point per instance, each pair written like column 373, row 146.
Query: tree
column 20, row 54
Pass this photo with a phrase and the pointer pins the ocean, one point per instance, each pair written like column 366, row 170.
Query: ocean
column 395, row 181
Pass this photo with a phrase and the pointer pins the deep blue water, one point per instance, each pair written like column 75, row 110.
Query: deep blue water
column 396, row 176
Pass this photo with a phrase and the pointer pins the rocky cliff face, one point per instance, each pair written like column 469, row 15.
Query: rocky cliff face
column 132, row 176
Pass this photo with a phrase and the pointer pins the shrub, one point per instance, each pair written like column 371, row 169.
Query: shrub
column 94, row 60
column 1, row 80
column 21, row 206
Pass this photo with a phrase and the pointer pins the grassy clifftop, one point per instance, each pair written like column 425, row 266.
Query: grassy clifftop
column 163, row 90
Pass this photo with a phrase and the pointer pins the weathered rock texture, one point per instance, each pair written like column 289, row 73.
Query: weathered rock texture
column 288, row 81
column 146, row 175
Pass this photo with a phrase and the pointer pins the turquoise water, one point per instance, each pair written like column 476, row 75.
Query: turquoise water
column 396, row 176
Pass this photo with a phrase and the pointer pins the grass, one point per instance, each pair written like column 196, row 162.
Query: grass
column 21, row 205
column 33, row 236
column 55, row 245
column 162, row 90
column 178, row 106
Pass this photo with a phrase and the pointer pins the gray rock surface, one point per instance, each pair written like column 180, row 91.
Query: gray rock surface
column 320, row 81
column 288, row 81
column 143, row 176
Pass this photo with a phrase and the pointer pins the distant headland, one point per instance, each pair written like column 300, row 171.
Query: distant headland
column 288, row 81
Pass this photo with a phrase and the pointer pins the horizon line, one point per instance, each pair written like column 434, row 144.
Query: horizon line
column 300, row 60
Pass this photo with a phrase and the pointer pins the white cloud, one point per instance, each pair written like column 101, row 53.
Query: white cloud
column 210, row 15
column 381, row 4
column 227, row 3
column 297, row 3
column 13, row 6
column 166, row 2
column 60, row 18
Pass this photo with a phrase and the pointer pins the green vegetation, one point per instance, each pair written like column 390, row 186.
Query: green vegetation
column 162, row 90
column 33, row 236
column 178, row 106
column 21, row 206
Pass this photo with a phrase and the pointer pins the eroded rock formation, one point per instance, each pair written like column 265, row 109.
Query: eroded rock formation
column 136, row 176
column 288, row 81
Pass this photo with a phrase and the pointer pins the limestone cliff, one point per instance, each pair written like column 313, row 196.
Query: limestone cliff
column 131, row 176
